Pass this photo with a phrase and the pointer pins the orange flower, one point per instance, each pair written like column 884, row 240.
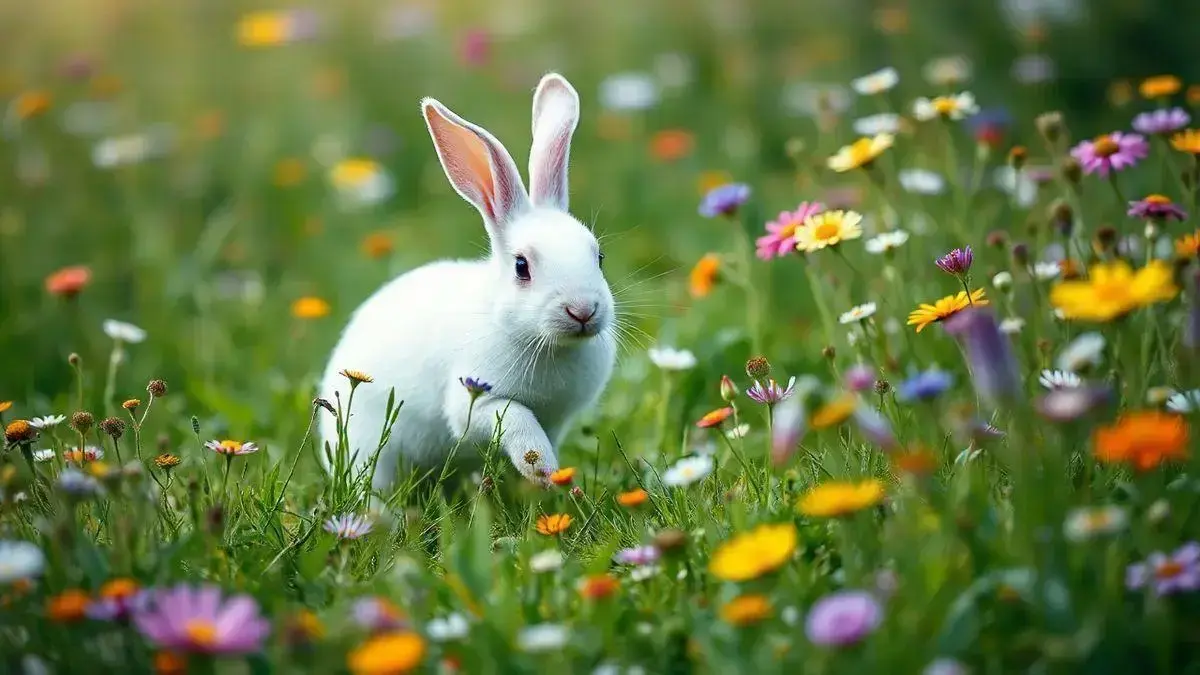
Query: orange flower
column 310, row 307
column 377, row 245
column 67, row 606
column 704, row 275
column 5, row 405
column 563, row 476
column 671, row 145
column 635, row 497
column 1144, row 439
column 1188, row 246
column 1193, row 94
column 599, row 587
column 1160, row 86
column 68, row 281
column 714, row 418
column 169, row 663
column 916, row 462
column 121, row 588
column 31, row 104
column 553, row 524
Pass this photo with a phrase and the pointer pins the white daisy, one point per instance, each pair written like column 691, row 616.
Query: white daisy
column 881, row 123
column 886, row 242
column 20, row 561
column 947, row 70
column 922, row 181
column 860, row 313
column 877, row 82
column 1184, row 401
column 1059, row 379
column 687, row 471
column 954, row 107
column 43, row 455
column 1002, row 281
column 123, row 332
column 1082, row 352
column 739, row 431
column 47, row 422
column 546, row 561
column 360, row 182
column 543, row 637
column 1045, row 271
column 1012, row 325
column 1087, row 523
column 448, row 628
column 644, row 572
column 669, row 358
column 123, row 150
column 628, row 91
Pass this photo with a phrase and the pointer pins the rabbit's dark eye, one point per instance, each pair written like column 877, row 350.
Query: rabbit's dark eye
column 522, row 267
column 600, row 259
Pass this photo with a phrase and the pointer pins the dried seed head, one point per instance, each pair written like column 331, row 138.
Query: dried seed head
column 1062, row 217
column 1020, row 254
column 322, row 403
column 157, row 388
column 82, row 421
column 882, row 387
column 670, row 540
column 1106, row 237
column 487, row 484
column 532, row 457
column 758, row 367
column 1050, row 126
column 829, row 352
column 113, row 426
column 1071, row 171
column 131, row 405
column 19, row 431
column 1017, row 157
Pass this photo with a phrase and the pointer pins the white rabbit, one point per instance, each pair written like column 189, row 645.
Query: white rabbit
column 534, row 319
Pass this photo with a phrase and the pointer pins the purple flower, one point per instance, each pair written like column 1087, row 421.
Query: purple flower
column 860, row 377
column 771, row 393
column 957, row 262
column 637, row 556
column 724, row 200
column 348, row 526
column 1162, row 121
column 1156, row 207
column 1069, row 404
column 1179, row 571
column 788, row 428
column 377, row 615
column 117, row 606
column 1111, row 152
column 197, row 620
column 475, row 387
column 989, row 353
column 843, row 618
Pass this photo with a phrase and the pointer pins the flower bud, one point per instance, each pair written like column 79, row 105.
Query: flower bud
column 1071, row 171
column 728, row 389
column 1050, row 126
column 1017, row 157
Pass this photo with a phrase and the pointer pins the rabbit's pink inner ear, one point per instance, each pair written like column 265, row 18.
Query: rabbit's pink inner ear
column 555, row 115
column 465, row 157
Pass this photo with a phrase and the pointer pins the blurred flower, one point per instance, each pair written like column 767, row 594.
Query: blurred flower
column 989, row 126
column 945, row 666
column 925, row 385
column 877, row 82
column 780, row 239
column 861, row 153
column 230, row 448
column 1161, row 122
column 787, row 429
column 669, row 358
column 77, row 484
column 673, row 69
column 20, row 561
column 391, row 653
column 68, row 282
column 1021, row 186
column 813, row 99
column 886, row 242
column 132, row 149
column 448, row 628
column 635, row 497
column 740, row 431
column 474, row 47
column 47, row 422
column 944, row 308
column 1188, row 246
column 879, row 123
column 688, row 471
column 89, row 453
column 916, row 461
column 1033, row 69
column 123, row 332
column 546, row 561
column 670, row 145
column 828, row 228
column 956, row 262
column 630, row 91
column 704, row 275
column 1059, row 379
column 116, row 600
column 599, row 586
column 67, row 607
column 6, row 405
column 1110, row 152
column 1184, row 402
column 1084, row 524
column 921, row 181
column 563, row 476
column 1187, row 141
column 377, row 245
column 1160, row 86
column 860, row 377
column 361, row 182
column 1167, row 573
column 44, row 455
column 993, row 367
column 746, row 609
column 954, row 107
column 714, row 418
column 724, row 200
column 843, row 618
column 1081, row 353
column 638, row 555
column 858, row 313
column 771, row 393
column 377, row 614
column 197, row 620
column 553, row 524
column 30, row 104
column 1144, row 439
column 1156, row 207
column 834, row 411
column 348, row 526
column 874, row 427
column 1113, row 290
column 405, row 21
column 947, row 70
column 750, row 555
column 833, row 499
column 543, row 637
column 310, row 307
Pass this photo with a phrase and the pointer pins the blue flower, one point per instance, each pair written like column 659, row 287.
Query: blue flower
column 475, row 387
column 724, row 200
column 925, row 386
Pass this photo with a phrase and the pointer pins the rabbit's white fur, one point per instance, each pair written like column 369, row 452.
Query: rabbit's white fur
column 455, row 319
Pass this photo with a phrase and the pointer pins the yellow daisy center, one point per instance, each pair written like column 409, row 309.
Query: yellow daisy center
column 230, row 446
column 1105, row 146
column 944, row 105
column 201, row 633
column 828, row 230
column 1168, row 570
column 354, row 172
column 1159, row 200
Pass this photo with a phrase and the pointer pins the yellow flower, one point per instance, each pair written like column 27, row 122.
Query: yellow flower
column 1188, row 246
column 840, row 498
column 167, row 461
column 746, row 609
column 828, row 228
column 351, row 173
column 31, row 104
column 356, row 376
column 752, row 554
column 310, row 307
column 1187, row 141
column 264, row 29
column 945, row 308
column 387, row 654
column 861, row 153
column 704, row 275
column 553, row 524
column 834, row 412
column 5, row 405
column 1113, row 290
column 1160, row 86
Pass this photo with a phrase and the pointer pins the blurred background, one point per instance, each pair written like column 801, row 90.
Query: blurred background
column 235, row 177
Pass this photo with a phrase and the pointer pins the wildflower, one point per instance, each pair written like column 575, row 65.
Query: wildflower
column 230, row 448
column 752, row 554
column 77, row 484
column 264, row 29
column 858, row 313
column 1113, row 290
column 1012, row 325
column 1184, row 402
column 1161, row 122
column 5, row 405
column 728, row 389
column 1167, row 574
column 599, row 587
column 994, row 369
column 781, row 232
column 156, row 388
column 20, row 561
column 543, row 637
column 1187, row 141
column 860, row 154
column 954, row 107
column 879, row 123
column 843, row 618
column 116, row 600
column 553, row 524
column 688, row 471
column 840, row 498
column 377, row 615
column 1110, row 152
column 635, row 497
column 1059, row 379
column 714, row 418
column 113, row 426
column 387, row 654
column 198, row 620
column 956, row 262
column 167, row 461
column 670, row 145
column 47, row 422
column 360, row 181
column 44, row 455
column 921, row 182
column 1188, row 246
column 1144, row 439
column 638, row 555
column 989, row 127
column 448, row 628
column 356, row 377
column 771, row 393
column 1156, row 207
column 131, row 404
column 377, row 245
column 916, row 462
column 746, row 609
column 628, row 91
column 925, row 385
column 310, row 307
column 68, row 282
column 475, row 387
column 947, row 70
column 834, row 412
column 877, row 82
column 669, row 358
column 1083, row 352
column 348, row 526
column 19, row 431
column 829, row 228
column 874, row 427
column 1083, row 524
column 944, row 308
column 704, row 275
column 1160, row 86
column 758, row 367
column 30, row 104
column 67, row 607
column 724, row 200
column 886, row 242
column 546, row 561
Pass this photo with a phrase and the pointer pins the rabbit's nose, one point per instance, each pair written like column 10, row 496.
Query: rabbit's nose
column 581, row 312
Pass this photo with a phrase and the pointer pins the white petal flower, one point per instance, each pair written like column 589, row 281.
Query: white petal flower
column 20, row 561
column 123, row 332
column 448, row 628
column 1045, row 271
column 922, row 181
column 880, row 123
column 643, row 572
column 669, row 358
column 628, row 91
column 47, row 422
column 1002, row 281
column 877, row 82
column 1082, row 352
column 688, row 471
column 886, row 242
column 543, row 637
column 1012, row 325
column 947, row 70
column 954, row 107
column 1088, row 523
column 43, row 455
column 1184, row 402
column 546, row 561
column 739, row 431
column 1059, row 379
column 860, row 313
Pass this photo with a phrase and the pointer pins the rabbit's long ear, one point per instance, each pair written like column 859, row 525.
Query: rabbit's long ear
column 555, row 114
column 478, row 166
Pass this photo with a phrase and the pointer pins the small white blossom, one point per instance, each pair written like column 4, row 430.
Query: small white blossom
column 669, row 358
column 546, row 561
column 449, row 628
column 859, row 313
column 644, row 572
column 628, row 91
column 922, row 181
column 886, row 242
column 947, row 70
column 44, row 455
column 687, row 471
column 1002, row 281
column 877, row 82
column 543, row 637
column 1045, row 271
column 1088, row 523
column 739, row 431
column 47, row 422
column 955, row 107
column 1082, row 352
column 123, row 332
column 1184, row 402
column 20, row 561
column 879, row 123
column 1059, row 379
column 1012, row 325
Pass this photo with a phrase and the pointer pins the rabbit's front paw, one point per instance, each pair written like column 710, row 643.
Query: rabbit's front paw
column 536, row 466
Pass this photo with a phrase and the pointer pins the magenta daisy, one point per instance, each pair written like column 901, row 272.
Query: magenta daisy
column 198, row 620
column 1167, row 573
column 771, row 393
column 1111, row 152
column 1156, row 207
column 780, row 238
column 1161, row 122
column 348, row 526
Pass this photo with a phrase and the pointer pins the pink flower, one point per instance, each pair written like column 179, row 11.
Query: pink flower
column 1111, row 152
column 780, row 238
column 197, row 620
column 475, row 47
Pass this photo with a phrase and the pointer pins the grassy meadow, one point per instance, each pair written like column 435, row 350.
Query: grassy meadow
column 909, row 339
